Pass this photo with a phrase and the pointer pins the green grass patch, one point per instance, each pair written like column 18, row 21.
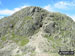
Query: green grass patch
column 28, row 18
column 55, row 42
column 3, row 38
column 20, row 40
column 0, row 44
column 24, row 42
column 49, row 37
column 17, row 55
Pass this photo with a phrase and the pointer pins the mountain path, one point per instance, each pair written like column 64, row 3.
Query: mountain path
column 36, row 40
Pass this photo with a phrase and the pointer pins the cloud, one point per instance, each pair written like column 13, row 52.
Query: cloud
column 48, row 7
column 73, row 17
column 60, row 5
column 10, row 12
column 1, row 17
column 64, row 5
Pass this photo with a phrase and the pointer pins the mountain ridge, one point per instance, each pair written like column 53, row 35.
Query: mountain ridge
column 34, row 31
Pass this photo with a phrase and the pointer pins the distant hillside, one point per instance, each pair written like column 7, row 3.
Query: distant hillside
column 34, row 31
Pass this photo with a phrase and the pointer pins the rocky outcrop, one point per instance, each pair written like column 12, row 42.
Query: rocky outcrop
column 34, row 31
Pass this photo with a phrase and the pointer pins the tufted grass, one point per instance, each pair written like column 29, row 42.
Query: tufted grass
column 3, row 38
column 20, row 40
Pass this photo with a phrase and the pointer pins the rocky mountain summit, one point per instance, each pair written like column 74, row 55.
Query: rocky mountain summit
column 34, row 31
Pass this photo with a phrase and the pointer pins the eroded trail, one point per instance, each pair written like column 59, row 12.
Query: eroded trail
column 40, row 43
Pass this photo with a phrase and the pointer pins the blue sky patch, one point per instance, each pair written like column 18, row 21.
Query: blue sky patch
column 8, row 7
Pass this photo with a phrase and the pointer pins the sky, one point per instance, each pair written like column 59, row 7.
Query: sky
column 9, row 7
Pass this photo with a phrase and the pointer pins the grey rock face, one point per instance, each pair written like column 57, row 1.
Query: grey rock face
column 50, row 27
column 34, row 30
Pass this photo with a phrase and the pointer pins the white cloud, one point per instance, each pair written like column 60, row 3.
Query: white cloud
column 48, row 7
column 63, row 5
column 73, row 17
column 1, row 17
column 60, row 5
column 9, row 12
